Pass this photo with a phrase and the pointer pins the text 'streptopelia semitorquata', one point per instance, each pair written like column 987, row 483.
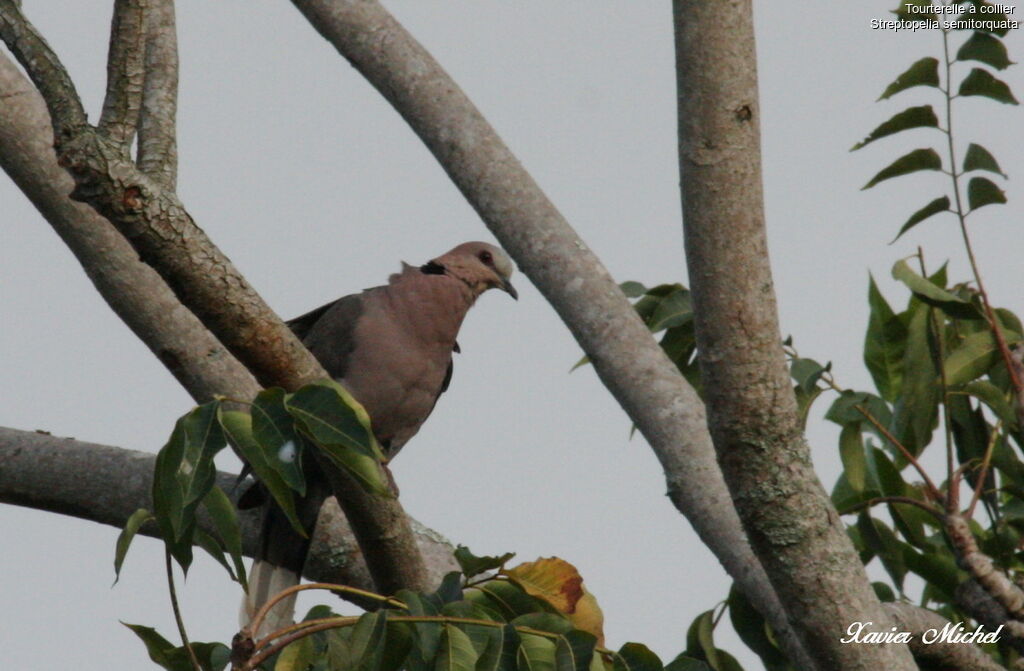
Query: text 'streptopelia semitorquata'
column 391, row 347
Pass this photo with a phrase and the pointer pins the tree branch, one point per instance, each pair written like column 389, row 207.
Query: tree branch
column 133, row 290
column 45, row 70
column 125, row 71
column 204, row 279
column 158, row 151
column 107, row 484
column 627, row 359
column 790, row 521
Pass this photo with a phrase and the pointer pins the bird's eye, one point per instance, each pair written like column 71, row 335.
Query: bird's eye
column 486, row 257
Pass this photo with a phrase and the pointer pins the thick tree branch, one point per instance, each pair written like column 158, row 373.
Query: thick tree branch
column 628, row 360
column 125, row 71
column 158, row 150
column 202, row 277
column 107, row 484
column 792, row 525
column 133, row 290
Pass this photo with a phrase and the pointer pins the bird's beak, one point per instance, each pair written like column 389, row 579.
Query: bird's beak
column 506, row 286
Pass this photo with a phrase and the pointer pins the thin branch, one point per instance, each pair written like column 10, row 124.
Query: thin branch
column 169, row 567
column 983, row 472
column 158, row 151
column 556, row 259
column 125, row 71
column 261, row 614
column 45, row 70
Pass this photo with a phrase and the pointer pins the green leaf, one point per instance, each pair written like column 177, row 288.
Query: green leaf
column 917, row 160
column 549, row 622
column 979, row 158
column 700, row 639
column 844, row 410
column 974, row 356
column 807, row 372
column 982, row 192
column 536, row 653
column 213, row 548
column 238, row 429
column 507, row 598
column 753, row 630
column 636, row 657
column 427, row 634
column 912, row 117
column 986, row 49
column 851, row 451
column 472, row 565
column 274, row 429
column 124, row 539
column 398, row 645
column 366, row 641
column 159, row 648
column 884, row 344
column 916, row 410
column 934, row 295
column 883, row 592
column 981, row 83
column 339, row 425
column 995, row 399
column 297, row 656
column 633, row 289
column 333, row 417
column 225, row 521
column 936, row 206
column 924, row 72
column 211, row 656
column 937, row 568
column 456, row 652
column 500, row 654
column 183, row 474
column 574, row 651
column 674, row 310
column 884, row 543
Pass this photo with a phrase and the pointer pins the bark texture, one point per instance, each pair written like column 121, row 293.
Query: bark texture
column 628, row 360
column 792, row 525
column 133, row 290
column 107, row 484
column 164, row 235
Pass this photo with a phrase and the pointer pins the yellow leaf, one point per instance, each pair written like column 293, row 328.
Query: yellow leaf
column 588, row 617
column 552, row 579
column 558, row 583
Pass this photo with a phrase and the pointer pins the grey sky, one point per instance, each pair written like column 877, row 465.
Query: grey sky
column 315, row 188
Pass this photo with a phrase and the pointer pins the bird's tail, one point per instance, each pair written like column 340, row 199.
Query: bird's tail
column 280, row 557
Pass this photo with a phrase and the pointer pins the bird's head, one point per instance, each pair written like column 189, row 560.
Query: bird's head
column 480, row 265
